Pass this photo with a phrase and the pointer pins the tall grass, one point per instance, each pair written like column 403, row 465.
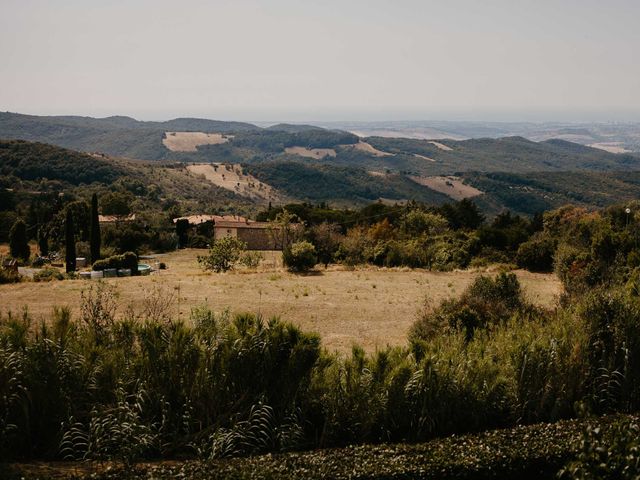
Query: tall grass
column 146, row 385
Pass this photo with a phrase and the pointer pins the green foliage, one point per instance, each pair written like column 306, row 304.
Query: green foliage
column 613, row 454
column 536, row 255
column 126, row 260
column 223, row 254
column 19, row 242
column 47, row 275
column 33, row 161
column 8, row 276
column 484, row 304
column 300, row 256
column 251, row 259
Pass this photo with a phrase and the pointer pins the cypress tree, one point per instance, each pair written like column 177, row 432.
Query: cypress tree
column 43, row 242
column 95, row 230
column 70, row 255
column 18, row 241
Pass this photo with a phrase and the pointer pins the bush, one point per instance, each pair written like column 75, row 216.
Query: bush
column 536, row 255
column 8, row 276
column 223, row 254
column 300, row 257
column 251, row 259
column 48, row 274
column 607, row 455
column 126, row 260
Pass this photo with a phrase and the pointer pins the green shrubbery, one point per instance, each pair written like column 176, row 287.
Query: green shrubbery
column 47, row 274
column 299, row 257
column 223, row 254
column 127, row 260
column 225, row 386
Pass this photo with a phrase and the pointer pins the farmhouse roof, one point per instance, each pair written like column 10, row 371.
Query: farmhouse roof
column 116, row 218
column 241, row 224
column 198, row 219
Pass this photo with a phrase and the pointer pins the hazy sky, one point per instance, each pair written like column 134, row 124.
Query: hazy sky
column 322, row 60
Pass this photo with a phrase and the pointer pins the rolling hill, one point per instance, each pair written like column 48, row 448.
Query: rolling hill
column 308, row 163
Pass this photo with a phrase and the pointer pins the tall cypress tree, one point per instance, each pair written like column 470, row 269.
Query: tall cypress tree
column 95, row 230
column 70, row 256
column 18, row 241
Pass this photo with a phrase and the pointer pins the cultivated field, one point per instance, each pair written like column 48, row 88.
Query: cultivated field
column 449, row 185
column 369, row 306
column 231, row 177
column 189, row 141
column 317, row 153
column 441, row 146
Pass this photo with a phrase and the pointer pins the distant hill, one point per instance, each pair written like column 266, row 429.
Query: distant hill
column 304, row 162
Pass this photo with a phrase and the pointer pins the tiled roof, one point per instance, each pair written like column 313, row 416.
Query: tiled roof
column 198, row 219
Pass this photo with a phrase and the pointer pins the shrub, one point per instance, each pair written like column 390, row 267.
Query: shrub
column 223, row 254
column 300, row 257
column 536, row 255
column 48, row 274
column 8, row 276
column 611, row 455
column 251, row 259
column 485, row 303
column 126, row 260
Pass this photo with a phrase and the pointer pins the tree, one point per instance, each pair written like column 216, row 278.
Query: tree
column 223, row 254
column 182, row 231
column 300, row 256
column 70, row 240
column 43, row 241
column 94, row 230
column 18, row 241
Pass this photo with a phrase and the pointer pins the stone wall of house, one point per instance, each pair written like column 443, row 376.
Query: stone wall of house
column 256, row 238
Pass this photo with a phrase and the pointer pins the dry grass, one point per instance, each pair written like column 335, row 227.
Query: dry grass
column 417, row 155
column 232, row 177
column 370, row 306
column 370, row 149
column 316, row 153
column 450, row 186
column 188, row 141
column 611, row 147
column 441, row 146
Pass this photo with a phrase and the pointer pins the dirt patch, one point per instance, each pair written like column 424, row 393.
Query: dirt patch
column 316, row 153
column 369, row 306
column 423, row 157
column 370, row 149
column 451, row 186
column 441, row 146
column 611, row 147
column 232, row 177
column 189, row 141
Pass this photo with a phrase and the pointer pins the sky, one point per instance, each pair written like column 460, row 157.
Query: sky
column 573, row 60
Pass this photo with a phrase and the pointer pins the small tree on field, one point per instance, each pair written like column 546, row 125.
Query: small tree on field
column 18, row 242
column 300, row 257
column 223, row 254
column 70, row 254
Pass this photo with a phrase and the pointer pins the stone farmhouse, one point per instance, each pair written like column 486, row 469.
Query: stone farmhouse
column 255, row 234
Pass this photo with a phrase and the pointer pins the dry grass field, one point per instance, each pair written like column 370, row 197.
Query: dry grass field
column 370, row 149
column 441, row 146
column 369, row 306
column 611, row 147
column 450, row 186
column 316, row 153
column 189, row 141
column 232, row 177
